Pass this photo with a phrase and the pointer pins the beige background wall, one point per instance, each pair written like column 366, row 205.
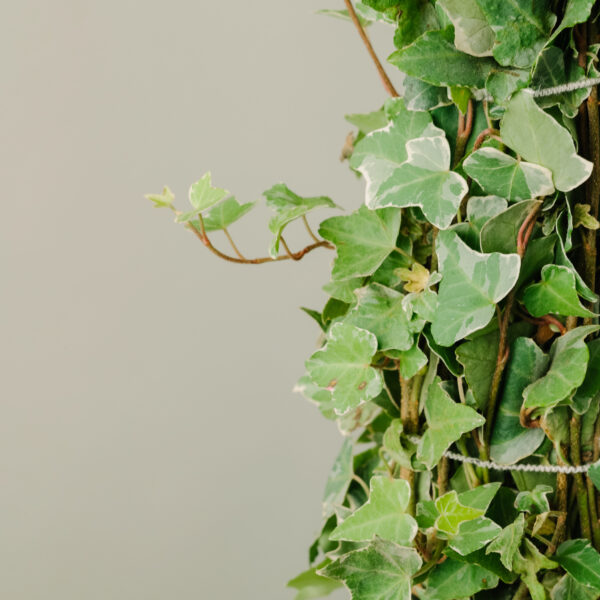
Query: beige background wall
column 150, row 444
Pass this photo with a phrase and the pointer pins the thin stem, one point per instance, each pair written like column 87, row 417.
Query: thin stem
column 582, row 496
column 253, row 261
column 362, row 484
column 389, row 86
column 442, row 476
column 235, row 248
column 287, row 249
column 465, row 127
column 413, row 409
column 308, row 228
column 486, row 133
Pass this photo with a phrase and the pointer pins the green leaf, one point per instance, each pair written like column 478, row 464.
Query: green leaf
column 521, row 28
column 322, row 398
column 446, row 422
column 343, row 367
column 447, row 355
column 421, row 96
column 288, row 207
column 555, row 294
column 363, row 240
column 339, row 479
column 202, row 196
column 434, row 59
column 577, row 11
column 594, row 473
column 452, row 513
column 508, row 542
column 472, row 34
column 393, row 444
column 408, row 164
column 480, row 497
column 502, row 84
column 311, row 585
column 528, row 565
column 380, row 310
column 381, row 571
column 344, row 290
column 581, row 561
column 368, row 122
column 472, row 283
column 568, row 363
column 511, row 441
column 500, row 174
column 591, row 384
column 534, row 501
column 411, row 361
column 538, row 138
column 384, row 515
column 554, row 67
column 452, row 577
column 225, row 213
column 163, row 200
column 473, row 535
column 414, row 17
column 570, row 589
column 582, row 217
column 500, row 233
column 561, row 258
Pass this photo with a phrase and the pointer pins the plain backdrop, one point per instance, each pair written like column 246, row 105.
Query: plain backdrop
column 151, row 446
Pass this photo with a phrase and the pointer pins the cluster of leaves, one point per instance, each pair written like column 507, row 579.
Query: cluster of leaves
column 462, row 311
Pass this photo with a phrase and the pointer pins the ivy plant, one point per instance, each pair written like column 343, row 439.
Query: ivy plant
column 460, row 348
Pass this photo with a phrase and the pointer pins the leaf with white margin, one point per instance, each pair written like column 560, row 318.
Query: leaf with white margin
column 446, row 422
column 343, row 366
column 472, row 283
column 502, row 175
column 540, row 139
column 381, row 311
column 383, row 515
column 363, row 240
column 472, row 33
column 381, row 571
column 508, row 542
column 568, row 588
column 339, row 479
column 452, row 513
column 162, row 200
column 424, row 180
column 577, row 11
column 452, row 576
column 202, row 196
column 555, row 294
column 569, row 356
column 473, row 535
column 521, row 28
column 421, row 96
column 288, row 207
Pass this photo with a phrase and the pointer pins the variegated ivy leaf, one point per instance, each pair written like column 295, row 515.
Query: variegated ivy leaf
column 521, row 27
column 527, row 562
column 590, row 387
column 576, row 11
column 224, row 214
column 339, row 479
column 446, row 422
column 392, row 565
column 511, row 441
column 163, row 200
column 344, row 290
column 472, row 33
column 434, row 59
column 569, row 588
column 421, row 179
column 540, row 139
column 534, row 501
column 384, row 515
column 311, row 585
column 319, row 396
column 582, row 217
column 473, row 535
column 421, row 96
column 343, row 366
column 452, row 513
column 500, row 174
column 472, row 283
column 554, row 294
column 381, row 311
column 288, row 206
column 508, row 541
column 568, row 364
column 202, row 196
column 363, row 240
